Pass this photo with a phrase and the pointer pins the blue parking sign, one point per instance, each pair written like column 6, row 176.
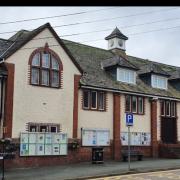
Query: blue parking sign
column 129, row 119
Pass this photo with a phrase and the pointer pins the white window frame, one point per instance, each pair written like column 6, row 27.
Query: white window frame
column 138, row 99
column 169, row 108
column 155, row 81
column 136, row 104
column 124, row 70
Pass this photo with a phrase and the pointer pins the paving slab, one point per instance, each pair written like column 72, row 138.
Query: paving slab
column 88, row 170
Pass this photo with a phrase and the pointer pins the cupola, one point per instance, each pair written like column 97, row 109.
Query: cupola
column 116, row 41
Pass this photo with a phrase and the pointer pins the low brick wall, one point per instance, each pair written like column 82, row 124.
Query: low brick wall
column 81, row 154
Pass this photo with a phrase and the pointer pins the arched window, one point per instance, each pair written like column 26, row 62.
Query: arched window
column 45, row 68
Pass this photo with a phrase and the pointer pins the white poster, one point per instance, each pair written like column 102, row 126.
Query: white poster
column 124, row 138
column 24, row 138
column 63, row 149
column 103, row 138
column 48, row 138
column 40, row 138
column 32, row 138
column 56, row 149
column 48, row 149
column 56, row 138
column 40, row 149
column 32, row 149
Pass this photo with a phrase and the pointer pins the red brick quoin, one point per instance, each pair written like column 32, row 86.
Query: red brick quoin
column 9, row 100
column 116, row 127
column 154, row 142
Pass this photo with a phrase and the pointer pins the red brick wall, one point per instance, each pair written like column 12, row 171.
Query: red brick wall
column 154, row 142
column 75, row 106
column 9, row 100
column 116, row 127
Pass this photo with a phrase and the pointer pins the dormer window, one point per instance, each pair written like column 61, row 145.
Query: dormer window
column 126, row 75
column 158, row 81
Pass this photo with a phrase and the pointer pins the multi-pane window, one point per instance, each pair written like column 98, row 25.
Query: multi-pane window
column 168, row 108
column 126, row 75
column 159, row 82
column 134, row 104
column 45, row 69
column 94, row 100
column 43, row 127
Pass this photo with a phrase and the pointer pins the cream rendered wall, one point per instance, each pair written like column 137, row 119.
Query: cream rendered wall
column 41, row 104
column 96, row 119
column 178, row 121
column 142, row 123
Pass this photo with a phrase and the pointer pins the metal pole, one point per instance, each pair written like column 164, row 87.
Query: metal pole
column 129, row 141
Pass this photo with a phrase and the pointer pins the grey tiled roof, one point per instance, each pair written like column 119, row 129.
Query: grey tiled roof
column 90, row 58
column 4, row 45
column 152, row 68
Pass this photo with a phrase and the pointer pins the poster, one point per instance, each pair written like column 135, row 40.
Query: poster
column 124, row 138
column 40, row 138
column 24, row 149
column 40, row 149
column 56, row 150
column 135, row 138
column 32, row 138
column 63, row 149
column 48, row 149
column 63, row 138
column 32, row 149
column 103, row 138
column 24, row 138
column 56, row 138
column 48, row 138
column 145, row 139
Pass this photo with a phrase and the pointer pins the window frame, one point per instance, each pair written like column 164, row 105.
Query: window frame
column 48, row 127
column 155, row 81
column 125, row 72
column 171, row 108
column 137, row 104
column 40, row 68
column 97, row 100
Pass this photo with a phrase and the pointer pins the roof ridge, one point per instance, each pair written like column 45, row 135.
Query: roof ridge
column 86, row 45
column 159, row 63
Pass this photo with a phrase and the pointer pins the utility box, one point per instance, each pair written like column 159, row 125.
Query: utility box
column 97, row 155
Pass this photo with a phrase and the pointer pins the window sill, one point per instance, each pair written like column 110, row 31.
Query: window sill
column 135, row 113
column 37, row 85
column 99, row 110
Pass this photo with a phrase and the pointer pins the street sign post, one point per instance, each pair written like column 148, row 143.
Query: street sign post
column 129, row 123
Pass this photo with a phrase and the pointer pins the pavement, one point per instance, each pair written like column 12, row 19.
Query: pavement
column 87, row 170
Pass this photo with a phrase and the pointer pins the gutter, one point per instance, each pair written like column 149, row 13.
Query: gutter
column 131, row 93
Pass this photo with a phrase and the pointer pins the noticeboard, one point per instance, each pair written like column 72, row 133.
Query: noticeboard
column 43, row 144
column 95, row 137
column 137, row 138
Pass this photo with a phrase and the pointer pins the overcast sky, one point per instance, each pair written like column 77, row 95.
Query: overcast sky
column 161, row 46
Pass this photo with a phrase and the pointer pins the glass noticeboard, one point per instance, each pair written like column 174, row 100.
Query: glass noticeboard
column 43, row 144
column 95, row 137
column 137, row 138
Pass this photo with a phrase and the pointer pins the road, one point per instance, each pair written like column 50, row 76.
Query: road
column 160, row 175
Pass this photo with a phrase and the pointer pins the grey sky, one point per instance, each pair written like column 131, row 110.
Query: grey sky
column 161, row 46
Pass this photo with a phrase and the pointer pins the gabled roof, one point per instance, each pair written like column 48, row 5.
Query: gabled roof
column 116, row 33
column 90, row 58
column 117, row 61
column 23, row 36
